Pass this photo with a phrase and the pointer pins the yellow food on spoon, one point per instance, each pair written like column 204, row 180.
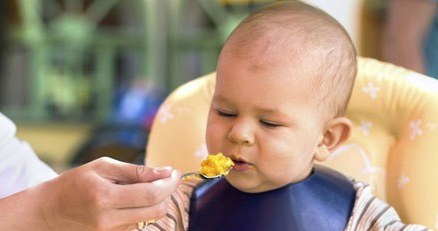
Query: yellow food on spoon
column 216, row 165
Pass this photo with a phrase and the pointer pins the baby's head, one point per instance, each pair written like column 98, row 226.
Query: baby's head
column 284, row 78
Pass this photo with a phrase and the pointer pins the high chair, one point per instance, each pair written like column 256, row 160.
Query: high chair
column 394, row 143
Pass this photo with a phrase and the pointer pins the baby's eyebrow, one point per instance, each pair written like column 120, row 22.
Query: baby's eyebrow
column 219, row 98
column 273, row 112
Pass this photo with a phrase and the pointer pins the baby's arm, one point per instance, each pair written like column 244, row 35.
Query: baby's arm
column 371, row 213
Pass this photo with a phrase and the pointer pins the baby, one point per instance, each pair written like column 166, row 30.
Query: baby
column 284, row 78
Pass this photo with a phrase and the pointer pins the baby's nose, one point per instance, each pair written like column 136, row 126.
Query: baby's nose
column 242, row 134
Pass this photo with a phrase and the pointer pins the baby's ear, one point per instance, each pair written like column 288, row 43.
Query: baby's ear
column 337, row 131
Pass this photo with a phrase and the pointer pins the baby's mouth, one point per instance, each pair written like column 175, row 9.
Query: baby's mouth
column 241, row 165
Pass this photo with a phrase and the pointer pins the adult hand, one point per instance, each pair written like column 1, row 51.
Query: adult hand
column 104, row 194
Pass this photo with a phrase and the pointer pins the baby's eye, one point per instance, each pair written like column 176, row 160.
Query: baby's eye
column 225, row 114
column 269, row 124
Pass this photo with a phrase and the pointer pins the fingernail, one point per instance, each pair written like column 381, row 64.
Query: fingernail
column 163, row 169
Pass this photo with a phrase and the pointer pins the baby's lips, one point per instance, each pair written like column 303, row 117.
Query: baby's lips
column 237, row 158
column 242, row 166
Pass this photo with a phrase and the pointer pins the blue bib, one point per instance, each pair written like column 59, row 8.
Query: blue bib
column 323, row 201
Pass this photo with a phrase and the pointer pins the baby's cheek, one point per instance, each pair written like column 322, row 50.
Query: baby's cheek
column 281, row 171
column 273, row 171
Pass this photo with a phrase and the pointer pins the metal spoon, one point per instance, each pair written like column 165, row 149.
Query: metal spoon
column 203, row 176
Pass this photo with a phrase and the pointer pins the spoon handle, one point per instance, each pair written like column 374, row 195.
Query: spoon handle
column 187, row 176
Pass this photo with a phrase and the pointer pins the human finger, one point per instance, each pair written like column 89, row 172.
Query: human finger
column 126, row 173
column 130, row 217
column 145, row 194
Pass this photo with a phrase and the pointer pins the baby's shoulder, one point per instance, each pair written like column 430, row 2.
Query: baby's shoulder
column 372, row 213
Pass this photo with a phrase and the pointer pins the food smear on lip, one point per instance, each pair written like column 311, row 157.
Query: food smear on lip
column 216, row 165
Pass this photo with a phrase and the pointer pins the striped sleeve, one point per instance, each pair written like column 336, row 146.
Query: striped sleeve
column 372, row 214
column 177, row 218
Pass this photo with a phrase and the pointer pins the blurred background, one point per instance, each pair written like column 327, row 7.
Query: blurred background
column 84, row 78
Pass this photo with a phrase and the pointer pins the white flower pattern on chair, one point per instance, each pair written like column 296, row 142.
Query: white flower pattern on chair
column 365, row 127
column 402, row 181
column 372, row 90
column 414, row 128
column 164, row 114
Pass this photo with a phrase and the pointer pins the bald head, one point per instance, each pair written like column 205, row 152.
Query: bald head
column 295, row 33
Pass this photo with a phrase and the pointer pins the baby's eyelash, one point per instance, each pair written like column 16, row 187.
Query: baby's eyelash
column 225, row 114
column 269, row 124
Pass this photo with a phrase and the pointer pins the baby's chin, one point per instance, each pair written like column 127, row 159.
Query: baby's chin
column 249, row 185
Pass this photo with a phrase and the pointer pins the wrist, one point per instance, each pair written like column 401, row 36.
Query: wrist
column 42, row 206
column 22, row 211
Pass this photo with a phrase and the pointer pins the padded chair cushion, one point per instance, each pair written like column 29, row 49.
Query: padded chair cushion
column 394, row 146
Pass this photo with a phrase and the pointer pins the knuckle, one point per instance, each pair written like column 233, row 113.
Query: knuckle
column 100, row 163
column 104, row 160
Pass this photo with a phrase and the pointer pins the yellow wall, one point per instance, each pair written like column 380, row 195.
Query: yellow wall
column 54, row 142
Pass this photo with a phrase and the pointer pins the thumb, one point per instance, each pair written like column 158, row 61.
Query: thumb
column 127, row 173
